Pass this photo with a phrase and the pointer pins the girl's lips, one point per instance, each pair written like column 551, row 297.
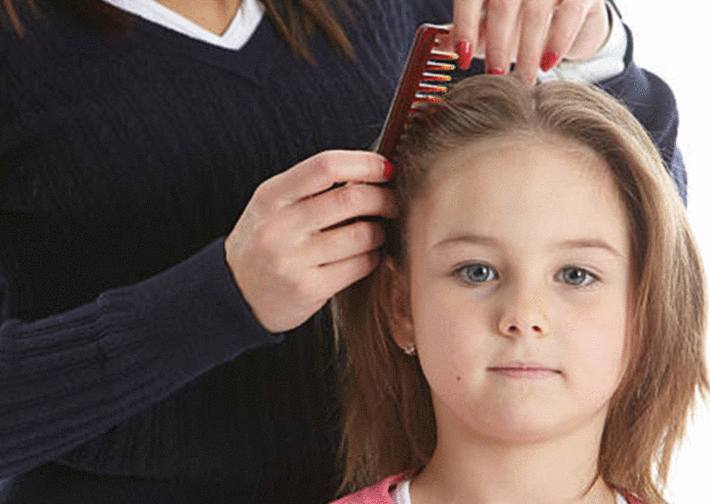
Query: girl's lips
column 520, row 372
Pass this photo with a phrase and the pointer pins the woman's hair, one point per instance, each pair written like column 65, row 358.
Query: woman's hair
column 296, row 20
column 388, row 418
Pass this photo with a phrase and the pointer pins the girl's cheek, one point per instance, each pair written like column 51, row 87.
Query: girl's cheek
column 452, row 357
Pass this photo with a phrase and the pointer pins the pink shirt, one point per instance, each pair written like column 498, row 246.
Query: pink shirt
column 379, row 493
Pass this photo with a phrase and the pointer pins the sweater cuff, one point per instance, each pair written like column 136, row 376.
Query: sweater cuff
column 193, row 315
column 605, row 64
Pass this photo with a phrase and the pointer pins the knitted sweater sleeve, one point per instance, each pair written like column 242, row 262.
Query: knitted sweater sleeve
column 652, row 102
column 72, row 376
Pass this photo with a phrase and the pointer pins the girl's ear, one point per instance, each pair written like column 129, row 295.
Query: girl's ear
column 398, row 306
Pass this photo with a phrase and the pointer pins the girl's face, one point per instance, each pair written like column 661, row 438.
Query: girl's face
column 519, row 252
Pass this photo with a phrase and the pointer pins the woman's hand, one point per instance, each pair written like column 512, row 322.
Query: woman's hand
column 283, row 257
column 533, row 33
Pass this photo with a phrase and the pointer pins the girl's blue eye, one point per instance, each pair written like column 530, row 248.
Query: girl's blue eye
column 478, row 273
column 576, row 276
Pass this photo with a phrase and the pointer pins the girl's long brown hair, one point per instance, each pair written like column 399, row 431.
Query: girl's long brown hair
column 296, row 20
column 388, row 417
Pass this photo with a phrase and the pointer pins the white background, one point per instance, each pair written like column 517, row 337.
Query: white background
column 670, row 39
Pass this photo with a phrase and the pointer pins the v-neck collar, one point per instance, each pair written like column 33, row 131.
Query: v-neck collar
column 237, row 33
column 253, row 60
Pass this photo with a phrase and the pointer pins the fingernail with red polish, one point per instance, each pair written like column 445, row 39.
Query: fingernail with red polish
column 495, row 71
column 549, row 59
column 465, row 52
column 389, row 169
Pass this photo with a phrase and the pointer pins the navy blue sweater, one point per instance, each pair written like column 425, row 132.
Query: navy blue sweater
column 131, row 368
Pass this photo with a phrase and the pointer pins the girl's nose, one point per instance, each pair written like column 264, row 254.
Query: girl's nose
column 524, row 315
column 520, row 328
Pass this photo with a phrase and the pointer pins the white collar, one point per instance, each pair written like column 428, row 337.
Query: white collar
column 400, row 494
column 240, row 29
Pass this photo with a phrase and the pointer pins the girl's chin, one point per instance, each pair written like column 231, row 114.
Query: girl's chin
column 520, row 435
column 517, row 430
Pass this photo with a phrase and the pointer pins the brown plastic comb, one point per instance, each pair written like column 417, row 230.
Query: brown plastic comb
column 421, row 81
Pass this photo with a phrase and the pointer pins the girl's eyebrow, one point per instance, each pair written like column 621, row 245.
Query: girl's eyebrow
column 492, row 242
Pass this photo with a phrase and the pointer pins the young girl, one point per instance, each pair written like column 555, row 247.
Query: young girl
column 535, row 332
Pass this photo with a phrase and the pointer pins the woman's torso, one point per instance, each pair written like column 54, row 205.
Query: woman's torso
column 122, row 155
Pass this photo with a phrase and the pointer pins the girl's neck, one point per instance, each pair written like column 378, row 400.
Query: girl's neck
column 483, row 471
column 214, row 16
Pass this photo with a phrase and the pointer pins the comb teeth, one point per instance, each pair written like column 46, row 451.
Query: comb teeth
column 432, row 88
column 438, row 66
column 427, row 93
column 419, row 85
column 443, row 55
column 435, row 77
column 422, row 97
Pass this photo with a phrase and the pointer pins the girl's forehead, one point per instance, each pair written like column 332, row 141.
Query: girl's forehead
column 524, row 164
column 515, row 146
column 521, row 188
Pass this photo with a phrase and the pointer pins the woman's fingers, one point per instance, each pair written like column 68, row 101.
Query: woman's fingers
column 535, row 34
column 593, row 33
column 501, row 23
column 569, row 18
column 320, row 172
column 348, row 271
column 467, row 21
column 340, row 204
column 335, row 245
column 283, row 257
column 535, row 22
